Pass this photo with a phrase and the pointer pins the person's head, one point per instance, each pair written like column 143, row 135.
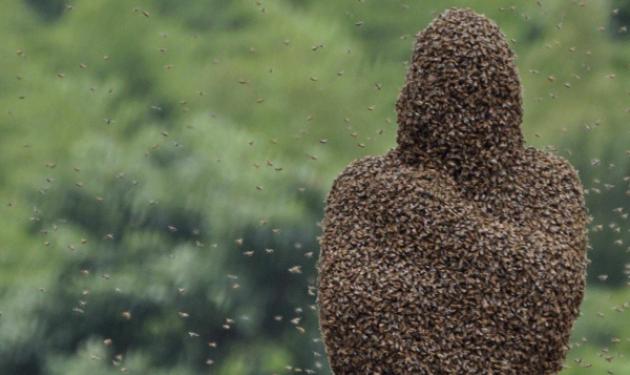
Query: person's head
column 461, row 103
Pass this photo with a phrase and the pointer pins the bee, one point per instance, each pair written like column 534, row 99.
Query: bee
column 295, row 269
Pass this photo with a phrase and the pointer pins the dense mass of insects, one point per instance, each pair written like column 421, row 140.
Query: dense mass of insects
column 460, row 251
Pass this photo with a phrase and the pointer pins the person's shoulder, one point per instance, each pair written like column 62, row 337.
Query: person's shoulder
column 364, row 166
column 385, row 173
column 549, row 164
column 355, row 176
column 551, row 170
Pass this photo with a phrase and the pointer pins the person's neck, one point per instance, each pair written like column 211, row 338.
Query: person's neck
column 481, row 170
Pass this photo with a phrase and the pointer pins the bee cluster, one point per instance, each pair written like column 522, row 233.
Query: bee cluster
column 461, row 250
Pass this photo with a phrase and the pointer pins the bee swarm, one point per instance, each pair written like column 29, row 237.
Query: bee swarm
column 461, row 250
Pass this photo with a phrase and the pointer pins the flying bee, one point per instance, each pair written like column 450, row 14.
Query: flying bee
column 295, row 269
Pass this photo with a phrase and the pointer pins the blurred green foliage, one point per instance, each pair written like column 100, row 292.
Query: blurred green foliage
column 163, row 166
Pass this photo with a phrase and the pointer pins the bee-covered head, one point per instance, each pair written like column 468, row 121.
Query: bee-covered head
column 461, row 104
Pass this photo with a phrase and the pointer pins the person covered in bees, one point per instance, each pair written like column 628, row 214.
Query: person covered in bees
column 461, row 250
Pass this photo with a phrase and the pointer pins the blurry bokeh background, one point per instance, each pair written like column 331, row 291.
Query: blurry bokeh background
column 163, row 166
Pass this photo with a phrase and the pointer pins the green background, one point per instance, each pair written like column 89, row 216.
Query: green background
column 163, row 166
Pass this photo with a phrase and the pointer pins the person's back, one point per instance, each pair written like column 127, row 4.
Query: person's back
column 461, row 250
